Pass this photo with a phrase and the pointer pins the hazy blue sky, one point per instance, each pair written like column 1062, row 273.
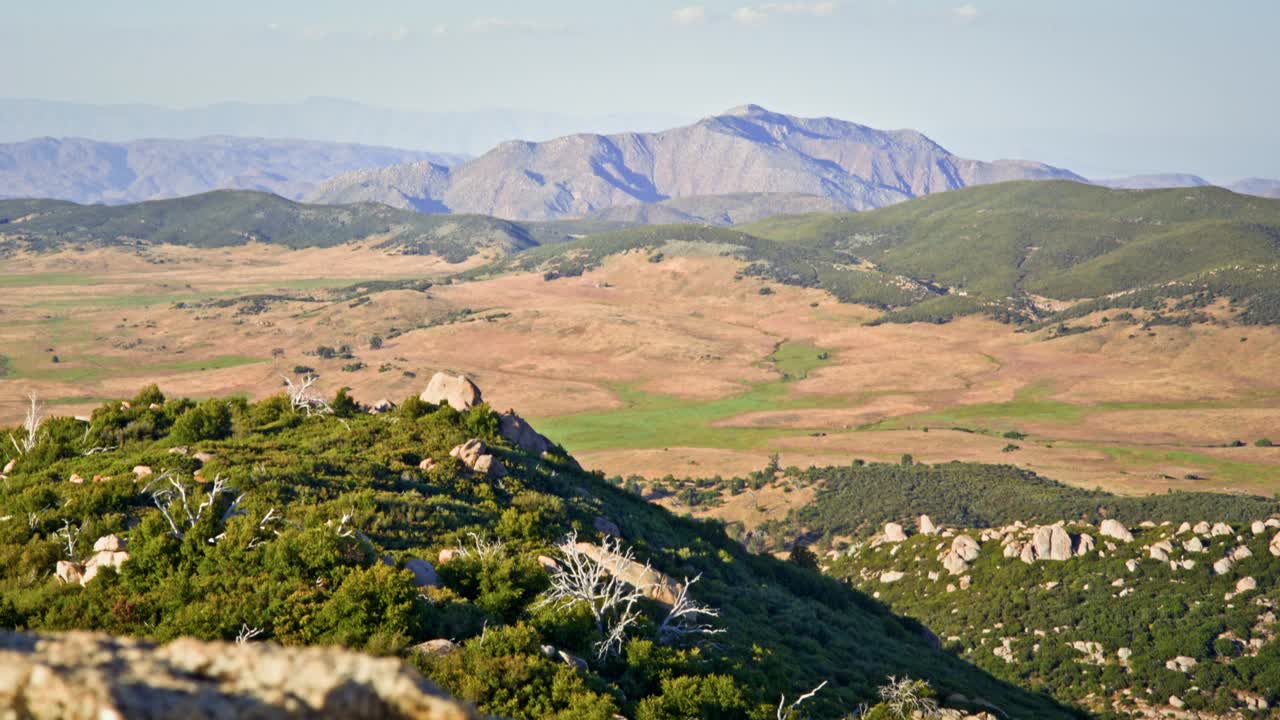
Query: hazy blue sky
column 1101, row 86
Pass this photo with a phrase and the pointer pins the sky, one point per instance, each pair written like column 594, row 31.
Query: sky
column 1104, row 87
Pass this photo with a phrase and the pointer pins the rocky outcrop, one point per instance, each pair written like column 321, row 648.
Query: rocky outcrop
column 1050, row 542
column 516, row 431
column 424, row 574
column 460, row 393
column 475, row 455
column 90, row 676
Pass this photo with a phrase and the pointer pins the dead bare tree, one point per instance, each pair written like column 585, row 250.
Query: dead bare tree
column 687, row 616
column 342, row 530
column 786, row 711
column 173, row 498
column 481, row 548
column 69, row 534
column 611, row 600
column 247, row 633
column 30, row 426
column 907, row 698
column 303, row 397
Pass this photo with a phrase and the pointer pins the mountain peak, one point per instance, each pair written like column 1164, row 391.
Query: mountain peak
column 748, row 110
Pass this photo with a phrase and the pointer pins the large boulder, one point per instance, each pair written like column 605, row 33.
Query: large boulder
column 460, row 393
column 893, row 533
column 516, row 431
column 1115, row 529
column 424, row 574
column 966, row 548
column 101, row 559
column 926, row 525
column 86, row 675
column 1051, row 542
column 69, row 572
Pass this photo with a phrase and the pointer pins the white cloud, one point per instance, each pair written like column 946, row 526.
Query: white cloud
column 756, row 14
column 498, row 24
column 966, row 13
column 691, row 15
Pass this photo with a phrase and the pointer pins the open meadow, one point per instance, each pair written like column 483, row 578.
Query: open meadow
column 682, row 367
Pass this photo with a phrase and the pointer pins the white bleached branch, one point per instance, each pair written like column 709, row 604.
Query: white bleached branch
column 30, row 426
column 303, row 397
column 688, row 616
column 611, row 600
column 786, row 711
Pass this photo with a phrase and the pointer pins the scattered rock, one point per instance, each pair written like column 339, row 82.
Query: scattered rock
column 1193, row 545
column 86, row 675
column 475, row 455
column 1182, row 664
column 1223, row 566
column 1245, row 584
column 966, row 548
column 547, row 563
column 573, row 661
column 1084, row 545
column 9, row 466
column 446, row 555
column 109, row 543
column 141, row 471
column 890, row 576
column 605, row 526
column 424, row 575
column 204, row 457
column 1051, row 542
column 1258, row 527
column 1275, row 545
column 382, row 406
column 1115, row 529
column 926, row 525
column 70, row 572
column 893, row 533
column 75, row 479
column 105, row 558
column 1220, row 529
column 1201, row 528
column 426, row 465
column 1124, row 654
column 1131, row 565
column 1176, row 702
column 439, row 646
column 460, row 393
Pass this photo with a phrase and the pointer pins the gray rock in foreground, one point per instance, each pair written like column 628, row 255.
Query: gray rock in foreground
column 100, row 677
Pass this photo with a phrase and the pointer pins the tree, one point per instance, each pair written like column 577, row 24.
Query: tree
column 579, row 578
column 802, row 556
column 375, row 343
column 210, row 420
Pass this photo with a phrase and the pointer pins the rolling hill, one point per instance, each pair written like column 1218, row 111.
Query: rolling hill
column 90, row 171
column 235, row 217
column 747, row 149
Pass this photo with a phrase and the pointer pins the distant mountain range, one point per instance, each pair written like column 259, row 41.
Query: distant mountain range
column 1261, row 187
column 739, row 166
column 90, row 171
column 747, row 149
column 323, row 119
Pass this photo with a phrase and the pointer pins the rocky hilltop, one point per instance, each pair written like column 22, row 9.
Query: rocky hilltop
column 747, row 149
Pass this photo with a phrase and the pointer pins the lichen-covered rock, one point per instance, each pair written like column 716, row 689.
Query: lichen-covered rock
column 87, row 676
column 458, row 392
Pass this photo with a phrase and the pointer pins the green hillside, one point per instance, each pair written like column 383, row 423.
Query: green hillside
column 1114, row 628
column 328, row 511
column 999, row 244
column 229, row 218
column 857, row 500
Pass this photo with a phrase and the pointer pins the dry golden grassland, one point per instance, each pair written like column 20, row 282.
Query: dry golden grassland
column 663, row 368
